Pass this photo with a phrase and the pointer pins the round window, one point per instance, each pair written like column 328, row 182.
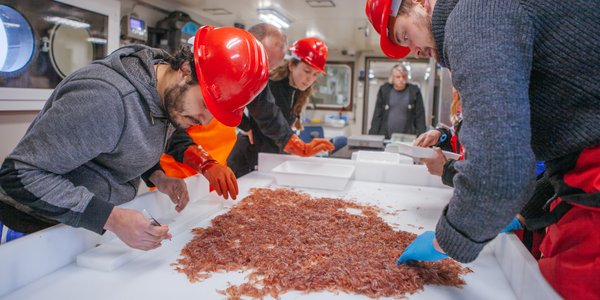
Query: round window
column 71, row 47
column 16, row 40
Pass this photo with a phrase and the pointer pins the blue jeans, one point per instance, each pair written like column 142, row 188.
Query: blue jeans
column 7, row 234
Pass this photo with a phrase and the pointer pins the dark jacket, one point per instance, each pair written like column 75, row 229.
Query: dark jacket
column 102, row 127
column 270, row 119
column 415, row 121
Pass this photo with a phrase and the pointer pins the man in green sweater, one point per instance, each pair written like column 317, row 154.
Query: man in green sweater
column 527, row 73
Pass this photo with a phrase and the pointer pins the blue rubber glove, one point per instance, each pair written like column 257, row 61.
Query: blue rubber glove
column 421, row 249
column 515, row 224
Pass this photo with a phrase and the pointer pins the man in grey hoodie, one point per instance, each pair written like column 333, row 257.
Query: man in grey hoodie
column 527, row 73
column 107, row 124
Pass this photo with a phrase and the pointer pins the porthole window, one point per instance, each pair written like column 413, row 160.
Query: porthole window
column 17, row 42
column 70, row 46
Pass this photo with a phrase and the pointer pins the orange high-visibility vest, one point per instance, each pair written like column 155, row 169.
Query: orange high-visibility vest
column 217, row 139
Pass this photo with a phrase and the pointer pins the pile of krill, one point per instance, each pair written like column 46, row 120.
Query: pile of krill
column 289, row 241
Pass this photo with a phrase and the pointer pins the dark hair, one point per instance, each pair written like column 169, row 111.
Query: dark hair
column 178, row 58
column 405, row 7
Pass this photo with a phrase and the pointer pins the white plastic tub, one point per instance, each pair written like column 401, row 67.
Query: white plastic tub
column 313, row 175
column 378, row 157
column 416, row 152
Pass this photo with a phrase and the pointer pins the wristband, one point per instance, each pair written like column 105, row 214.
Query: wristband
column 443, row 137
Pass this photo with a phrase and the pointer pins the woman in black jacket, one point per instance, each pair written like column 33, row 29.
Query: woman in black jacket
column 290, row 87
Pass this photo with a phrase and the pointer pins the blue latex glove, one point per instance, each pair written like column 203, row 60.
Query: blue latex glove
column 514, row 225
column 421, row 249
column 539, row 168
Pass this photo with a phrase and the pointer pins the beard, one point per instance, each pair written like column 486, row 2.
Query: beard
column 173, row 103
column 399, row 85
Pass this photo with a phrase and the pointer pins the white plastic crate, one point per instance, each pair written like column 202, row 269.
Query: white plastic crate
column 417, row 152
column 313, row 175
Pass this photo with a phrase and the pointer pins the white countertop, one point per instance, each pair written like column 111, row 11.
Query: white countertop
column 151, row 276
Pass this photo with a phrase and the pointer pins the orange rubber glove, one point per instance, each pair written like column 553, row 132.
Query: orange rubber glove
column 221, row 178
column 298, row 147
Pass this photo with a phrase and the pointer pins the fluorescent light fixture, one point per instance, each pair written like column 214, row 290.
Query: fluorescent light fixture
column 315, row 33
column 94, row 40
column 320, row 3
column 271, row 16
column 217, row 11
column 66, row 22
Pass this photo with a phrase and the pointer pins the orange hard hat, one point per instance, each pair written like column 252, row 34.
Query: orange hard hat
column 379, row 12
column 232, row 70
column 311, row 51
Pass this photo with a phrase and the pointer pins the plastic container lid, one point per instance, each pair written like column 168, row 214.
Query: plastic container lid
column 417, row 152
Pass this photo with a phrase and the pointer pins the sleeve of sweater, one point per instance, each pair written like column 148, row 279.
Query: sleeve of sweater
column 269, row 118
column 489, row 46
column 245, row 123
column 146, row 175
column 449, row 172
column 84, row 120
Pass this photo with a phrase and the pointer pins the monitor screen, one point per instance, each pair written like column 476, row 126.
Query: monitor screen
column 136, row 25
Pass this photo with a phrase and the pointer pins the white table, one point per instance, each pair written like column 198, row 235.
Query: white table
column 42, row 265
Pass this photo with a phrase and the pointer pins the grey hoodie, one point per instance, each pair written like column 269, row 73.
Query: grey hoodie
column 102, row 128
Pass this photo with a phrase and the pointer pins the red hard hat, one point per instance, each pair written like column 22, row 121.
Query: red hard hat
column 378, row 12
column 311, row 51
column 232, row 70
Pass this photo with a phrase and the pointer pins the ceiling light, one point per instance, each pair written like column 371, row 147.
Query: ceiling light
column 273, row 17
column 99, row 41
column 217, row 11
column 315, row 33
column 320, row 3
column 67, row 22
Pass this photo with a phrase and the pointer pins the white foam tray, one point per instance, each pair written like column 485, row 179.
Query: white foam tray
column 313, row 175
column 378, row 157
column 417, row 152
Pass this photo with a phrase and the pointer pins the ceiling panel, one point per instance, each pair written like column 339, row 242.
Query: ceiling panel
column 338, row 26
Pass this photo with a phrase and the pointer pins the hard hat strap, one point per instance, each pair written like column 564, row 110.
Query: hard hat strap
column 395, row 7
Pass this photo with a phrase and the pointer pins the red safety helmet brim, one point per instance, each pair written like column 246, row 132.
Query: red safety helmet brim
column 310, row 63
column 312, row 51
column 211, row 92
column 389, row 48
